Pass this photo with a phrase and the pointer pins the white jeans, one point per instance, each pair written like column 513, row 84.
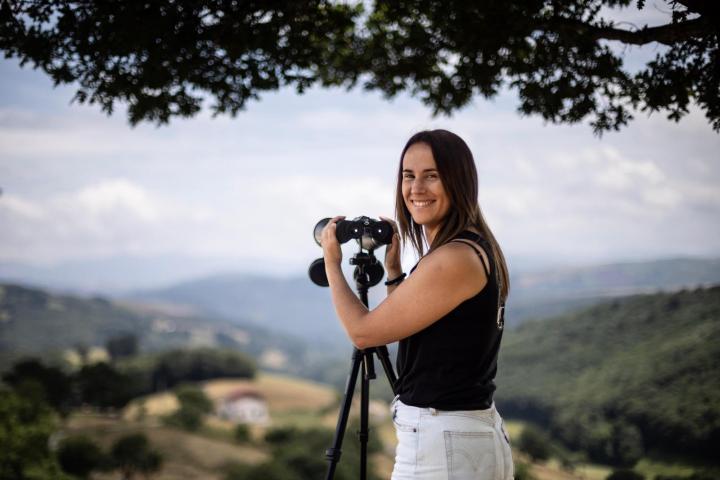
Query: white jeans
column 450, row 445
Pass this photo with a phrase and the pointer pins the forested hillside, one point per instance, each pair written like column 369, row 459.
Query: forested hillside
column 621, row 378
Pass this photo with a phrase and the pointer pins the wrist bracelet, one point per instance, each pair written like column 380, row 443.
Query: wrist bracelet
column 396, row 280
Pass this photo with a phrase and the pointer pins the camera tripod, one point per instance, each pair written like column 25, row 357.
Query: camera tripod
column 368, row 272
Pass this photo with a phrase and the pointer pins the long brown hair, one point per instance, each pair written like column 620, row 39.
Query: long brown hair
column 458, row 174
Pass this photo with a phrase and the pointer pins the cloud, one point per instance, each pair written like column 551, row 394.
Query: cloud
column 115, row 197
column 263, row 218
column 19, row 207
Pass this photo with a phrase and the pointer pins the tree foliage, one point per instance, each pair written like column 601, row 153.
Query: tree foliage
column 25, row 427
column 625, row 475
column 535, row 443
column 103, row 386
column 162, row 58
column 241, row 433
column 194, row 405
column 132, row 454
column 174, row 367
column 79, row 456
column 46, row 383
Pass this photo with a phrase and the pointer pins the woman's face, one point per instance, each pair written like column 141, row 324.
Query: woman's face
column 422, row 189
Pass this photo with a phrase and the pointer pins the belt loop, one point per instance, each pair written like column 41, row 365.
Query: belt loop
column 433, row 411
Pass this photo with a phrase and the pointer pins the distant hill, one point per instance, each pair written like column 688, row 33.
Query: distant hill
column 291, row 305
column 36, row 322
column 552, row 292
column 623, row 376
column 296, row 306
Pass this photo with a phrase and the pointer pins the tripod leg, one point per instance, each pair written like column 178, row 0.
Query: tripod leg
column 384, row 357
column 368, row 372
column 334, row 452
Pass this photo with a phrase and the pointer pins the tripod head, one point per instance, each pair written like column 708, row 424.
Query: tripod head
column 368, row 270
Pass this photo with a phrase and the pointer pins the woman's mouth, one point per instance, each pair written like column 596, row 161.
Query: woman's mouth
column 421, row 203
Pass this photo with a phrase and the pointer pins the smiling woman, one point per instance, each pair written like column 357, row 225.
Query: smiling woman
column 447, row 315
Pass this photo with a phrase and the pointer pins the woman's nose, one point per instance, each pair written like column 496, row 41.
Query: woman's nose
column 417, row 186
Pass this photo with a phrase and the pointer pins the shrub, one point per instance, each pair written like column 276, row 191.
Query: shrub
column 625, row 474
column 265, row 471
column 535, row 443
column 132, row 454
column 79, row 456
column 242, row 433
column 194, row 404
column 522, row 471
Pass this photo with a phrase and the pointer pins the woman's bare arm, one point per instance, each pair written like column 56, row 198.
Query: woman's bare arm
column 443, row 279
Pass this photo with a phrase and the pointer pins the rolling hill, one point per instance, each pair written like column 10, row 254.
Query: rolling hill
column 621, row 377
column 36, row 322
column 296, row 306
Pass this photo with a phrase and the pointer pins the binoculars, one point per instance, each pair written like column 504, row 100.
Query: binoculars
column 369, row 234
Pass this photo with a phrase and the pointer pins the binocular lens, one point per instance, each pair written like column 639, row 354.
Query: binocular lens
column 317, row 231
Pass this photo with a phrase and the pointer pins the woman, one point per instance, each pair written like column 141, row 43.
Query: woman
column 447, row 316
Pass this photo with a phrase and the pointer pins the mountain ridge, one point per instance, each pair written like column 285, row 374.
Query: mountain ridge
column 533, row 295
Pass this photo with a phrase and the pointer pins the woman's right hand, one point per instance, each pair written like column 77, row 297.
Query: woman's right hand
column 393, row 267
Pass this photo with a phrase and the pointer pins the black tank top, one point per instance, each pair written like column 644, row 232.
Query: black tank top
column 451, row 364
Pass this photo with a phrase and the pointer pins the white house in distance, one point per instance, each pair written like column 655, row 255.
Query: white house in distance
column 244, row 405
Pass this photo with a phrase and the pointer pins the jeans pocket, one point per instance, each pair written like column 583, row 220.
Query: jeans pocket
column 399, row 424
column 470, row 455
column 406, row 449
column 403, row 427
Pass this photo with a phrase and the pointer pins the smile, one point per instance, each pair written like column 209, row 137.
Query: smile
column 422, row 203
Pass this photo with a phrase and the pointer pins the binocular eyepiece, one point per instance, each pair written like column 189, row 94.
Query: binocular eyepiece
column 369, row 233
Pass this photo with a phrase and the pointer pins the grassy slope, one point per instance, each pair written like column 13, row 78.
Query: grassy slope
column 185, row 455
column 291, row 401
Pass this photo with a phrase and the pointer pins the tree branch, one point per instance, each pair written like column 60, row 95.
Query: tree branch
column 701, row 7
column 666, row 34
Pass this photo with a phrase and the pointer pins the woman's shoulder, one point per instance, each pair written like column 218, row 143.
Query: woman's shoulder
column 456, row 265
column 468, row 243
column 460, row 255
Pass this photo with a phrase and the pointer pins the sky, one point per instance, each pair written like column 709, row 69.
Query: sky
column 224, row 194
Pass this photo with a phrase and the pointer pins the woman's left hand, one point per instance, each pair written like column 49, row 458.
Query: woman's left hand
column 329, row 242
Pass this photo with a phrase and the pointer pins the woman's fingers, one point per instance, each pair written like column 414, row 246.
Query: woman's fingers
column 391, row 222
column 329, row 242
column 396, row 236
column 329, row 231
column 392, row 251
